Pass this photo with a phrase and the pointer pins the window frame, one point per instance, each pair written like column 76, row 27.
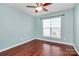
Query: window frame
column 51, row 27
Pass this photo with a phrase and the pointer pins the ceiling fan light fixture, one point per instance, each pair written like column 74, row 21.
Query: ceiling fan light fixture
column 39, row 8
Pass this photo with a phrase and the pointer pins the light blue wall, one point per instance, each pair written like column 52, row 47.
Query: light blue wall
column 76, row 27
column 66, row 27
column 15, row 26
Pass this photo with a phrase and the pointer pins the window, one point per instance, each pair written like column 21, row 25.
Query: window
column 52, row 27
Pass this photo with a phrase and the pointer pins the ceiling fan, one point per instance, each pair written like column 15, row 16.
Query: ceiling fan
column 40, row 6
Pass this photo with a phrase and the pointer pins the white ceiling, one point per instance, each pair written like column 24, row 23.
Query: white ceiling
column 55, row 7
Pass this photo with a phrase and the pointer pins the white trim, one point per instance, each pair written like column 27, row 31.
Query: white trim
column 53, row 41
column 38, row 39
column 76, row 49
column 31, row 40
column 17, row 45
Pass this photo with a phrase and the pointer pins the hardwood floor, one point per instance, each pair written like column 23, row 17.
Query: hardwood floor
column 40, row 48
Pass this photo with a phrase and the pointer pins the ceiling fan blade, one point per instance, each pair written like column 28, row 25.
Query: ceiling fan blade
column 45, row 9
column 31, row 6
column 46, row 4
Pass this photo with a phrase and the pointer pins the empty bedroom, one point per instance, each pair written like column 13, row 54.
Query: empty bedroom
column 39, row 29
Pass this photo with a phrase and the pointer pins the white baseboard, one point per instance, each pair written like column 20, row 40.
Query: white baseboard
column 38, row 39
column 76, row 50
column 53, row 41
column 17, row 45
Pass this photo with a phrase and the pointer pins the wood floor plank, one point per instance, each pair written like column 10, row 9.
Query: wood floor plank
column 40, row 48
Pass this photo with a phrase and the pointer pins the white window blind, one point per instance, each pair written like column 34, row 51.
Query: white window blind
column 52, row 27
